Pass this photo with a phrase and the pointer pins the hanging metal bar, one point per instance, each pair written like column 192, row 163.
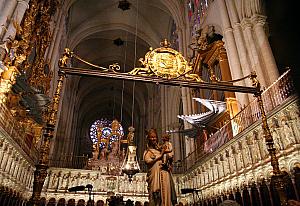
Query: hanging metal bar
column 156, row 80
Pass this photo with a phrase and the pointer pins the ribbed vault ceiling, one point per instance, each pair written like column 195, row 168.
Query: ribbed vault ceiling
column 92, row 27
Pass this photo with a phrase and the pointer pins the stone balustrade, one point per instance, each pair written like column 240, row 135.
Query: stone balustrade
column 16, row 171
column 60, row 179
column 244, row 160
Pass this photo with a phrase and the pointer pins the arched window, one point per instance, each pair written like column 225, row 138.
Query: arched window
column 101, row 133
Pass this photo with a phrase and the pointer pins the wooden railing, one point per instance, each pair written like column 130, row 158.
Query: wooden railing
column 273, row 96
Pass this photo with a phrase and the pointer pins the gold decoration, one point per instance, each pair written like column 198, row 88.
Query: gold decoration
column 277, row 174
column 64, row 59
column 167, row 63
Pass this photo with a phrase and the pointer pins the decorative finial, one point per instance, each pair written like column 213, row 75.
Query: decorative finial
column 165, row 43
column 66, row 56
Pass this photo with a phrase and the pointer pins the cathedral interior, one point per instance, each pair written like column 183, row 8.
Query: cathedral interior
column 83, row 81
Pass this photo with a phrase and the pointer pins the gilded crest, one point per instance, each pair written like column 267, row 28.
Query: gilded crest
column 165, row 62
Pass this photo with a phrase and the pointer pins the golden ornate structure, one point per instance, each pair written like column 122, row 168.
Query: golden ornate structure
column 277, row 174
column 31, row 40
column 40, row 173
column 166, row 63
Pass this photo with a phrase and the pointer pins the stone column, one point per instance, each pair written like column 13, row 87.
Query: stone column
column 18, row 14
column 9, row 162
column 17, row 168
column 254, row 54
column 6, row 13
column 22, row 173
column 234, row 62
column 240, row 43
column 221, row 168
column 53, row 50
column 175, row 102
column 21, row 169
column 185, row 111
column 26, row 175
column 270, row 193
column 2, row 4
column 190, row 111
column 58, row 24
column 12, row 166
column 5, row 159
column 259, row 193
column 258, row 22
column 2, row 149
column 30, row 175
column 294, row 186
column 239, row 39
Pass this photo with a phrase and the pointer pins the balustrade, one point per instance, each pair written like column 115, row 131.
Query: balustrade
column 243, row 161
column 274, row 96
column 60, row 179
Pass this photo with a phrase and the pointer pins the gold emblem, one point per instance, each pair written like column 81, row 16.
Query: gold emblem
column 165, row 62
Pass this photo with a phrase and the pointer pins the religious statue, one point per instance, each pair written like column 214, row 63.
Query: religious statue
column 95, row 151
column 167, row 157
column 160, row 182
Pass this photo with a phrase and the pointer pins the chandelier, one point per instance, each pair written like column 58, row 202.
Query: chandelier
column 130, row 165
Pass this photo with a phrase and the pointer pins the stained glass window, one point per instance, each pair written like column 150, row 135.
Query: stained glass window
column 101, row 131
column 174, row 37
column 197, row 10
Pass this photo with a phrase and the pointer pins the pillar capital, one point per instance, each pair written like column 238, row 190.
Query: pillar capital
column 258, row 20
column 25, row 2
column 246, row 23
column 228, row 30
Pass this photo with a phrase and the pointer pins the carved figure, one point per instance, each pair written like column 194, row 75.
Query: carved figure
column 160, row 182
column 95, row 151
column 167, row 146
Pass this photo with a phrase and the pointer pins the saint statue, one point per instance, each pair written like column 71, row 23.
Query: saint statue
column 160, row 182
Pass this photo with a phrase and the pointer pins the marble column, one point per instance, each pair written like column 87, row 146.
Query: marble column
column 258, row 22
column 6, row 13
column 231, row 47
column 17, row 16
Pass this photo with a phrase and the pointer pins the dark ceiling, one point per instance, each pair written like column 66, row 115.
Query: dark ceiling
column 283, row 17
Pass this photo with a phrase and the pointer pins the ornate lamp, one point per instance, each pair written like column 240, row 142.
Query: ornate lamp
column 130, row 165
